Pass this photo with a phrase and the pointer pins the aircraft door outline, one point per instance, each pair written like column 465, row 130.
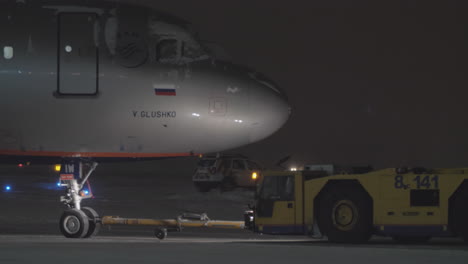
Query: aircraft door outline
column 77, row 54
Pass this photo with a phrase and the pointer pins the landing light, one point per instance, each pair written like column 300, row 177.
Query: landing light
column 58, row 167
column 293, row 169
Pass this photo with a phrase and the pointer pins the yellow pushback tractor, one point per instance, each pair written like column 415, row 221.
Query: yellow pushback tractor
column 409, row 205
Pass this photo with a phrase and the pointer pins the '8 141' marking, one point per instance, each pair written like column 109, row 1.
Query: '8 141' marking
column 426, row 182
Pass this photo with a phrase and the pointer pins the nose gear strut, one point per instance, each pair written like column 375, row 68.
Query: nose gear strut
column 77, row 221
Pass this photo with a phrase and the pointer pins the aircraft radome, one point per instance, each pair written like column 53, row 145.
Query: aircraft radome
column 96, row 80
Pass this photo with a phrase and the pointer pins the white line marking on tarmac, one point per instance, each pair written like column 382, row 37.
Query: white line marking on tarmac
column 117, row 239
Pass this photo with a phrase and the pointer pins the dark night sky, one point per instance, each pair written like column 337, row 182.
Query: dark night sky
column 383, row 85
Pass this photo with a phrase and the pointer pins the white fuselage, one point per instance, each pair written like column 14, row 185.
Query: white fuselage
column 121, row 82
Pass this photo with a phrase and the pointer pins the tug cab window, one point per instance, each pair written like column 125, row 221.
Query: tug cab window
column 238, row 165
column 278, row 188
column 166, row 50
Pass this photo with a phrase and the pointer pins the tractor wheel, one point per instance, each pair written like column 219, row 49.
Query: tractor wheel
column 345, row 214
column 461, row 214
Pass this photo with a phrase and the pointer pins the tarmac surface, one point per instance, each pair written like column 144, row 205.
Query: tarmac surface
column 117, row 249
column 29, row 215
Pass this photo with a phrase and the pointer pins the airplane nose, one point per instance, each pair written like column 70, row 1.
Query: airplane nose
column 270, row 110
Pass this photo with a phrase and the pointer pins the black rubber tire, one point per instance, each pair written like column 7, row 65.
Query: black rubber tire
column 160, row 232
column 353, row 227
column 461, row 214
column 411, row 239
column 74, row 224
column 94, row 225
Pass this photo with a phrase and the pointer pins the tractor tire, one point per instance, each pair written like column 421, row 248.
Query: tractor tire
column 345, row 214
column 461, row 214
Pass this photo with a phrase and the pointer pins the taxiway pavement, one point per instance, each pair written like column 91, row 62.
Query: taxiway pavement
column 117, row 249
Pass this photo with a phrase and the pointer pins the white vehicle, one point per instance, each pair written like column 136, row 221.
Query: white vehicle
column 91, row 81
column 225, row 172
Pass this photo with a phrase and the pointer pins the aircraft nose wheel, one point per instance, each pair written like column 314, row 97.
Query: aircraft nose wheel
column 77, row 222
column 74, row 224
column 94, row 221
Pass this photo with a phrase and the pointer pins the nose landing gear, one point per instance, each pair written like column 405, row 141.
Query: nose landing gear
column 84, row 222
column 77, row 221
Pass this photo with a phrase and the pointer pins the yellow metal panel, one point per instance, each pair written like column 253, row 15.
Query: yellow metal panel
column 392, row 201
column 282, row 215
column 391, row 194
column 312, row 188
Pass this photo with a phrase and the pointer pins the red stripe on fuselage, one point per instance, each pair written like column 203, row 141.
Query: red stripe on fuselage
column 166, row 93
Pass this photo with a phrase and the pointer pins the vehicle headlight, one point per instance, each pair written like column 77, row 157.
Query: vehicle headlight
column 254, row 176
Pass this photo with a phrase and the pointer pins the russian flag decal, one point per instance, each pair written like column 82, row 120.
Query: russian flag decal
column 166, row 92
column 164, row 89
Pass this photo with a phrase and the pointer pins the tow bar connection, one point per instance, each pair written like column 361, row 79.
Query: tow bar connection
column 162, row 226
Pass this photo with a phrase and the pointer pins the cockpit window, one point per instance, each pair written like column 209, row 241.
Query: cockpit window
column 177, row 51
column 166, row 50
column 173, row 42
column 192, row 50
